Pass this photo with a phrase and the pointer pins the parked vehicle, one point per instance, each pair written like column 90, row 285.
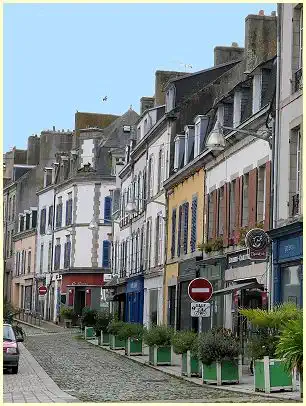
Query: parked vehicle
column 10, row 349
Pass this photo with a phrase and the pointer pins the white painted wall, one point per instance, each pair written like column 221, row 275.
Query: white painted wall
column 85, row 207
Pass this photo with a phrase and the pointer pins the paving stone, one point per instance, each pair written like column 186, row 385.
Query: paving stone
column 93, row 374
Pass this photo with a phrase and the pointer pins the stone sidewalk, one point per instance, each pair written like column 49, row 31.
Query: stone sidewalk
column 246, row 386
column 32, row 384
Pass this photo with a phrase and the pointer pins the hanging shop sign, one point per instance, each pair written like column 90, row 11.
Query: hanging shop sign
column 257, row 242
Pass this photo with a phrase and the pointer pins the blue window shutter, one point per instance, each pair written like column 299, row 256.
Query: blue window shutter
column 277, row 299
column 186, row 214
column 173, row 233
column 179, row 231
column 194, row 224
column 105, row 255
column 50, row 218
column 107, row 208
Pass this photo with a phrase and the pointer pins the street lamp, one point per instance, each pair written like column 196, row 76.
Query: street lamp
column 216, row 140
column 93, row 225
column 131, row 207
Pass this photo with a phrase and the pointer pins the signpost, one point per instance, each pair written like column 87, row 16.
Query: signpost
column 42, row 290
column 200, row 291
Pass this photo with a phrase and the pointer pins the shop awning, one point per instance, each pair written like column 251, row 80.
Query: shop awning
column 237, row 286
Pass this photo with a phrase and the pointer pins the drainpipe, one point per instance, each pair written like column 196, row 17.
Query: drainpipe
column 275, row 157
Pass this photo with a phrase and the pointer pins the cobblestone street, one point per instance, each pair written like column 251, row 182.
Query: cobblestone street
column 93, row 374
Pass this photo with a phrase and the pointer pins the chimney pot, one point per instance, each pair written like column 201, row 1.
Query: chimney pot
column 273, row 14
column 234, row 44
column 261, row 12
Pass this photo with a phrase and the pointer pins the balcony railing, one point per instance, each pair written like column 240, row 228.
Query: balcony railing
column 295, row 205
column 298, row 80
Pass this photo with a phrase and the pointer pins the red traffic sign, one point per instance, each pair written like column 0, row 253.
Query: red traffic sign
column 200, row 290
column 42, row 290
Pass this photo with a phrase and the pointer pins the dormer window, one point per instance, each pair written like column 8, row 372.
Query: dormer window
column 170, row 99
column 246, row 101
column 48, row 177
column 127, row 154
column 189, row 144
column 145, row 126
column 200, row 129
column 257, row 84
column 228, row 109
column 179, row 152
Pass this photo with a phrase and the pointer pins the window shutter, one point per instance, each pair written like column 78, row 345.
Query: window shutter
column 157, row 231
column 193, row 240
column 107, row 209
column 179, row 231
column 57, row 257
column 238, row 203
column 268, row 197
column 215, row 213
column 226, row 214
column 173, row 233
column 105, row 255
column 65, row 255
column 186, row 218
column 252, row 197
column 59, row 210
column 43, row 221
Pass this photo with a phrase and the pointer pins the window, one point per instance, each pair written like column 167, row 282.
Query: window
column 106, row 254
column 232, row 209
column 67, row 252
column 141, row 248
column 10, row 209
column 57, row 254
column 179, row 151
column 245, row 200
column 49, row 256
column 8, row 244
column 48, row 177
column 246, row 101
column 140, row 193
column 50, row 216
column 107, row 209
column 220, row 212
column 17, row 263
column 145, row 126
column 41, row 263
column 148, row 245
column 170, row 99
column 295, row 172
column 261, row 193
column 43, row 221
column 182, row 245
column 150, row 178
column 138, row 133
column 173, row 231
column 11, row 244
column 292, row 284
column 21, row 223
column 59, row 211
column 69, row 209
column 160, row 178
column 193, row 239
column 185, row 229
column 28, row 219
column 153, row 306
column 159, row 240
column 34, row 218
column 29, row 261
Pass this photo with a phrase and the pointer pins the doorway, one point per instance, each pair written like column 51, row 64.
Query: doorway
column 79, row 301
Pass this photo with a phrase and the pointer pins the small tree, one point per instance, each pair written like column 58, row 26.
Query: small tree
column 102, row 320
column 183, row 341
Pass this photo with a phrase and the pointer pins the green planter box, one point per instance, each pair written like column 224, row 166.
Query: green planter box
column 133, row 347
column 104, row 339
column 190, row 365
column 116, row 344
column 221, row 372
column 160, row 355
column 270, row 376
column 89, row 333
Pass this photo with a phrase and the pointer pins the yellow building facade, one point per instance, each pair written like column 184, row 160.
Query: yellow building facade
column 185, row 229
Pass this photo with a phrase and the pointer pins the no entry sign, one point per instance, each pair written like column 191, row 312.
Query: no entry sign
column 42, row 290
column 200, row 290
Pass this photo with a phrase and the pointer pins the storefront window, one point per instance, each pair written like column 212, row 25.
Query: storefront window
column 153, row 306
column 292, row 284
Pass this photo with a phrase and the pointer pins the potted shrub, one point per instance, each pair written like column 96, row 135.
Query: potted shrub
column 217, row 244
column 88, row 321
column 185, row 343
column 218, row 349
column 113, row 329
column 102, row 320
column 270, row 372
column 158, row 338
column 132, row 334
column 290, row 347
column 67, row 314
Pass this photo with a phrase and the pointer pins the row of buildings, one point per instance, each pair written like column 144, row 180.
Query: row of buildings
column 128, row 210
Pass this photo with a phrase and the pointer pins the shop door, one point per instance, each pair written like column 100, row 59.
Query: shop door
column 79, row 301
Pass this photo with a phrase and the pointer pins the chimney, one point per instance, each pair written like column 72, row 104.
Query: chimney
column 33, row 150
column 224, row 54
column 146, row 103
column 54, row 128
column 161, row 79
column 260, row 39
